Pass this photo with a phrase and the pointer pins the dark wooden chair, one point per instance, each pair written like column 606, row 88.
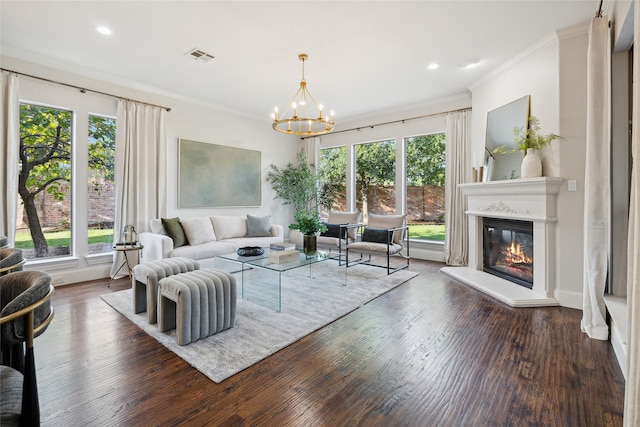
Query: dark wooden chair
column 26, row 312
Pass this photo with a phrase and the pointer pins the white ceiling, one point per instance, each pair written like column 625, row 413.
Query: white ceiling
column 364, row 56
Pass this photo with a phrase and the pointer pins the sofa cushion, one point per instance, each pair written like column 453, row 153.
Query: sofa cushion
column 226, row 227
column 175, row 231
column 204, row 250
column 198, row 230
column 258, row 226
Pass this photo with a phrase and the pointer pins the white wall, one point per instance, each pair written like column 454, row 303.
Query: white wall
column 553, row 73
column 185, row 120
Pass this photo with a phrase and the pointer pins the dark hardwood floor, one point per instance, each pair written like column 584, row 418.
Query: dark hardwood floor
column 432, row 352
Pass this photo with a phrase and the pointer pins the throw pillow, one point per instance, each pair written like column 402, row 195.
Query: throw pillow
column 198, row 230
column 259, row 226
column 333, row 230
column 227, row 227
column 375, row 235
column 175, row 231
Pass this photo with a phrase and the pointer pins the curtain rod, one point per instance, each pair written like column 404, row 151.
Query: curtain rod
column 400, row 120
column 82, row 89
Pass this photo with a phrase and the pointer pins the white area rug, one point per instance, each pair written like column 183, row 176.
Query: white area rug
column 308, row 304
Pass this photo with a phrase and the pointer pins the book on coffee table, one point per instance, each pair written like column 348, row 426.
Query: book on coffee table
column 282, row 246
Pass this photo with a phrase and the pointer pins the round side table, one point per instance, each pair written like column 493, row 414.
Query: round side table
column 125, row 248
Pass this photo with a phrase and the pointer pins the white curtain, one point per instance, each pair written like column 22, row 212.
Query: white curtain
column 597, row 200
column 632, row 387
column 312, row 151
column 10, row 131
column 140, row 168
column 457, row 171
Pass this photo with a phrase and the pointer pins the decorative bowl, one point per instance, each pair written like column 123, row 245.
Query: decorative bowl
column 250, row 251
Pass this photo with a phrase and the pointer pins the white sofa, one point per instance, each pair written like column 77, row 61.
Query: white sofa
column 207, row 237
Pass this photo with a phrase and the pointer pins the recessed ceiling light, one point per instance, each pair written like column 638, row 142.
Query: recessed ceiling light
column 433, row 66
column 103, row 30
column 472, row 63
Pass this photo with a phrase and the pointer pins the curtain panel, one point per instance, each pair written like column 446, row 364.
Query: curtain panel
column 457, row 171
column 632, row 386
column 597, row 197
column 140, row 168
column 9, row 152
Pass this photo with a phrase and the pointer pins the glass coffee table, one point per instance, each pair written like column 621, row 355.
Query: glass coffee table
column 263, row 262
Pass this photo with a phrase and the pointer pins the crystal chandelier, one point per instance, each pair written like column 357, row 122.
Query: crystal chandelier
column 300, row 118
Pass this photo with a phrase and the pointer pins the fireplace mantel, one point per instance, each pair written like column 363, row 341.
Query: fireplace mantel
column 532, row 199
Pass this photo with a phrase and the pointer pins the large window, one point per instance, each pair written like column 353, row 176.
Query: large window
column 100, row 191
column 425, row 168
column 375, row 178
column 49, row 145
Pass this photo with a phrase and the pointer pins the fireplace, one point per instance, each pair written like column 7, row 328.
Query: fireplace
column 508, row 250
column 518, row 211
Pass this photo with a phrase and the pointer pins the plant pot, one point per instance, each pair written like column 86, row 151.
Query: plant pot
column 531, row 164
column 309, row 244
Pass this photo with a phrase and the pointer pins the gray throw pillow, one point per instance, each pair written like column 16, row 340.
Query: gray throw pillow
column 258, row 226
column 175, row 231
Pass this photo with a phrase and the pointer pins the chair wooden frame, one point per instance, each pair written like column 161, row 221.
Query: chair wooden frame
column 30, row 414
column 384, row 250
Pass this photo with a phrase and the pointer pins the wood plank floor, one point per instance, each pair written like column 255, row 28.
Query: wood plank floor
column 432, row 352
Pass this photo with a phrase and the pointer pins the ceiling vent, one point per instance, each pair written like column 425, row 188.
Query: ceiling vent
column 200, row 55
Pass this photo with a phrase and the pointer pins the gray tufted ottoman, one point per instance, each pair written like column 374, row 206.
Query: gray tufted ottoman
column 197, row 304
column 145, row 281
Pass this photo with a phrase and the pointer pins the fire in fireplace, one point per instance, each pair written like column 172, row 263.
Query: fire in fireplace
column 508, row 250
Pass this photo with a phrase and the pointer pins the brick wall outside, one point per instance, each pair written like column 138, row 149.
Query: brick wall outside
column 56, row 213
column 424, row 203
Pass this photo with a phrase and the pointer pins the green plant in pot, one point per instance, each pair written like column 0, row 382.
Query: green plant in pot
column 529, row 140
column 299, row 186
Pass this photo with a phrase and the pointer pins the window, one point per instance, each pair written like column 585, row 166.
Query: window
column 51, row 150
column 43, row 225
column 333, row 178
column 375, row 178
column 100, row 190
column 425, row 169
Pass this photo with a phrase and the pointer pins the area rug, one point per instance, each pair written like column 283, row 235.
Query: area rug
column 308, row 304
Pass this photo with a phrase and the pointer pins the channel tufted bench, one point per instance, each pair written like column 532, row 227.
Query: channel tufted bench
column 197, row 304
column 145, row 281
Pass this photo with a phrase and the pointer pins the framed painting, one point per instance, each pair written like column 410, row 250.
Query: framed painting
column 218, row 176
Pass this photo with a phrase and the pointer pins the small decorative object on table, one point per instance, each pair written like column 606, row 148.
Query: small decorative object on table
column 250, row 251
column 282, row 246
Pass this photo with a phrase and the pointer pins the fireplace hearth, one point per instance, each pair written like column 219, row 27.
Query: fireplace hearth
column 508, row 250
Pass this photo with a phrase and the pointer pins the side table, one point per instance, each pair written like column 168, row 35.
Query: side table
column 125, row 248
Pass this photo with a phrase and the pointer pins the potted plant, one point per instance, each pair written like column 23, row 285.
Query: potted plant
column 529, row 140
column 299, row 186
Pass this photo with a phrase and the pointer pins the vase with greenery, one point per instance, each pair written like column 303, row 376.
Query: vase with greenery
column 299, row 186
column 529, row 140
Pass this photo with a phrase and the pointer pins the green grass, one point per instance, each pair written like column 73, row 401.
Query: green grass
column 62, row 238
column 427, row 232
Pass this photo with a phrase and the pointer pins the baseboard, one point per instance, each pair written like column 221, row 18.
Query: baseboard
column 569, row 299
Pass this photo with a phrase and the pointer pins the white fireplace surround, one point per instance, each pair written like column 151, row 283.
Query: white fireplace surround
column 532, row 199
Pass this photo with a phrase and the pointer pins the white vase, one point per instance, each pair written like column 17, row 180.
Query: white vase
column 531, row 164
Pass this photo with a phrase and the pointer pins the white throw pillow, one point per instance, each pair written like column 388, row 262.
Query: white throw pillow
column 198, row 230
column 258, row 226
column 157, row 227
column 227, row 227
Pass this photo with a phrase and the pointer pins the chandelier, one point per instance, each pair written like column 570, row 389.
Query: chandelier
column 300, row 118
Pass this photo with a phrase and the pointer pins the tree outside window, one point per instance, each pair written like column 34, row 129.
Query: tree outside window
column 375, row 178
column 425, row 156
